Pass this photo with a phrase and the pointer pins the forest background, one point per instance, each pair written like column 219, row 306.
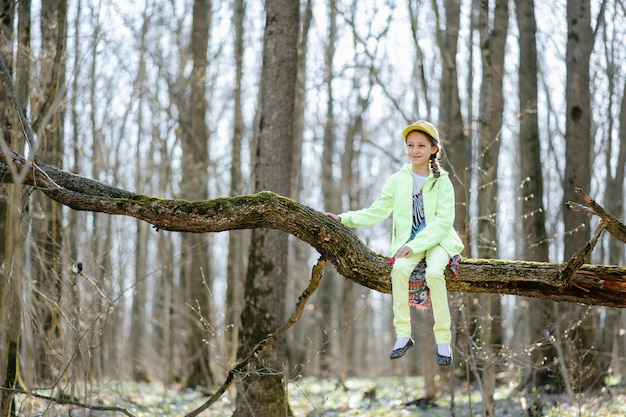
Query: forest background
column 167, row 99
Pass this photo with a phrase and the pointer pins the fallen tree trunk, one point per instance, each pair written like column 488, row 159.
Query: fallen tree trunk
column 587, row 284
column 603, row 285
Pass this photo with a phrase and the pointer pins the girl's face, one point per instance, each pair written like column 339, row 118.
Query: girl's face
column 419, row 149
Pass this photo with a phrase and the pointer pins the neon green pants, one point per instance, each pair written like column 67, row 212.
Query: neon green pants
column 436, row 261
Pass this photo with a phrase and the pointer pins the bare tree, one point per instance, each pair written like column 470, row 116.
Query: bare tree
column 264, row 299
column 611, row 35
column 328, row 291
column 621, row 342
column 196, row 269
column 47, row 224
column 300, row 253
column 537, row 316
column 492, row 44
column 581, row 360
column 11, row 196
column 138, row 320
column 578, row 123
column 236, row 239
column 451, row 123
column 457, row 149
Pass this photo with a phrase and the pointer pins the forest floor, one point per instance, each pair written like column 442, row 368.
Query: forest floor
column 308, row 397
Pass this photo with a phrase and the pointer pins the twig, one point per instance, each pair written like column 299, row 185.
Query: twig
column 17, row 165
column 27, row 130
column 616, row 228
column 64, row 401
column 316, row 276
column 578, row 259
column 18, row 168
column 607, row 221
column 561, row 358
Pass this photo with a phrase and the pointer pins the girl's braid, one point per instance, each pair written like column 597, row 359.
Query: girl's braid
column 434, row 164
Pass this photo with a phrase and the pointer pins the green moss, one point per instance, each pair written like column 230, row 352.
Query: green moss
column 206, row 207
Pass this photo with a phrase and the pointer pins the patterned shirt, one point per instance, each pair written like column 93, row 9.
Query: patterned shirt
column 419, row 218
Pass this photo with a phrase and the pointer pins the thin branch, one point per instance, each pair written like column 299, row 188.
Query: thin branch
column 27, row 130
column 578, row 259
column 53, row 95
column 20, row 170
column 616, row 228
column 64, row 401
column 316, row 276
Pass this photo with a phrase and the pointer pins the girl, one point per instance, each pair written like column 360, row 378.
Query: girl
column 421, row 199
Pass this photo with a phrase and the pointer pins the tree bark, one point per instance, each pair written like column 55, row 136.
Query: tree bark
column 578, row 149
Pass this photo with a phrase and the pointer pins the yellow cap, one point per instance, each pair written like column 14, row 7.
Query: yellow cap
column 422, row 126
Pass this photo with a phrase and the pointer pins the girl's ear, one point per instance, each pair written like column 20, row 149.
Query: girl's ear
column 435, row 150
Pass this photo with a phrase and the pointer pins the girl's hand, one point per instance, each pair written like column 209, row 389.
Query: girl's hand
column 404, row 252
column 333, row 216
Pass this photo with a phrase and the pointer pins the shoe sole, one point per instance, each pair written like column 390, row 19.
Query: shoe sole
column 443, row 360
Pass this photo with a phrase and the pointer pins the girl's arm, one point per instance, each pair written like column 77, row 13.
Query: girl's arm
column 379, row 210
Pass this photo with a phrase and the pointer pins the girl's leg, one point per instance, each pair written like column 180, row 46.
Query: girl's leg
column 436, row 261
column 400, row 274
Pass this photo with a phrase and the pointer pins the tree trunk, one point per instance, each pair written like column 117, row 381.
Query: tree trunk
column 457, row 160
column 535, row 241
column 451, row 124
column 163, row 310
column 489, row 313
column 264, row 299
column 11, row 252
column 302, row 334
column 578, row 149
column 93, row 264
column 75, row 221
column 138, row 319
column 196, row 269
column 327, row 292
column 536, row 314
column 610, row 339
column 578, row 154
column 616, row 251
column 47, row 221
column 354, row 352
column 236, row 248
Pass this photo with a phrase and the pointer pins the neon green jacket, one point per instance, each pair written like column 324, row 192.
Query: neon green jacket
column 396, row 198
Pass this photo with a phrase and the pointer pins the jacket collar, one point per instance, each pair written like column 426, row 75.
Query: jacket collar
column 407, row 168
